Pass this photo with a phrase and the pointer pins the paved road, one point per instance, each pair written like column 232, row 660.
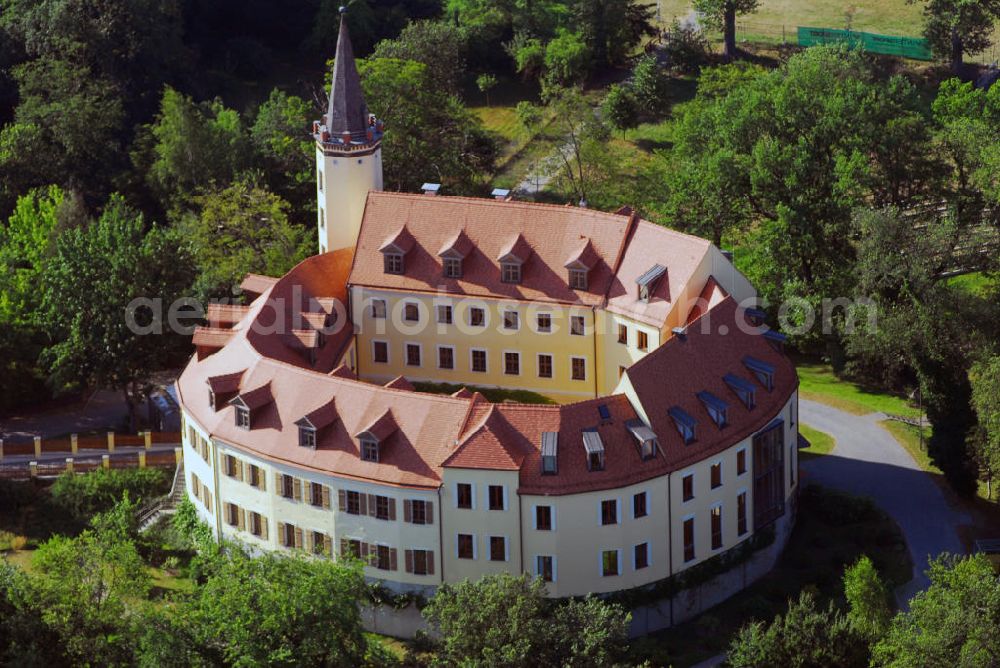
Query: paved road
column 868, row 461
column 104, row 409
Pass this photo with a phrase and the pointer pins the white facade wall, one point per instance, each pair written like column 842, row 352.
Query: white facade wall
column 342, row 186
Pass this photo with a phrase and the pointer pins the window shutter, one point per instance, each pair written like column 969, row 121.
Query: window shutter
column 245, row 471
column 407, row 510
column 281, row 534
column 342, row 500
column 277, row 481
column 238, row 469
column 392, row 510
column 326, row 497
column 263, row 526
column 297, row 488
column 363, row 504
column 307, row 491
column 393, row 559
column 372, row 505
column 242, row 519
column 262, row 480
column 298, row 537
column 328, row 543
column 430, row 562
column 429, row 512
column 364, row 552
column 408, row 558
column 310, row 541
column 345, row 547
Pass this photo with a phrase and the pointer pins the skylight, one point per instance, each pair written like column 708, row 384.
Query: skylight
column 684, row 422
column 743, row 389
column 762, row 370
column 716, row 407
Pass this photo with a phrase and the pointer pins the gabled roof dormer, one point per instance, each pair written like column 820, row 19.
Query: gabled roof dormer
column 645, row 438
column 453, row 253
column 593, row 445
column 222, row 388
column 648, row 281
column 579, row 264
column 312, row 424
column 249, row 404
column 394, row 250
column 512, row 257
column 371, row 439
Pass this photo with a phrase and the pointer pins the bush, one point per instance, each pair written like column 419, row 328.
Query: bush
column 687, row 49
column 90, row 493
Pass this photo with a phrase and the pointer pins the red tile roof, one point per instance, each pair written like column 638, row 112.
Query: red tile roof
column 256, row 285
column 211, row 337
column 228, row 382
column 400, row 383
column 225, row 315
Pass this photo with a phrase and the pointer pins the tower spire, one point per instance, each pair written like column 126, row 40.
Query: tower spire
column 347, row 111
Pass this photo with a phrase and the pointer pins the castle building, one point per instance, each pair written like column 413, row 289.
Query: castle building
column 671, row 436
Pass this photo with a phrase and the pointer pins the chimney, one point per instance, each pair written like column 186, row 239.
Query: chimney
column 502, row 195
column 431, row 188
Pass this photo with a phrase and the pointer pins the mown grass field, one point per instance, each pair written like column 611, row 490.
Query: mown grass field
column 817, row 382
column 820, row 443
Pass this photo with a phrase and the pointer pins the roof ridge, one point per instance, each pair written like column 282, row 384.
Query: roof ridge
column 486, row 201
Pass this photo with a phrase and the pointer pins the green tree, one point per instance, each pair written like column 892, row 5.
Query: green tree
column 430, row 135
column 25, row 245
column 584, row 160
column 567, row 60
column 620, row 108
column 953, row 622
column 867, row 600
column 957, row 27
column 280, row 135
column 985, row 379
column 485, row 83
column 723, row 14
column 805, row 637
column 91, row 280
column 612, row 29
column 528, row 54
column 650, row 85
column 25, row 640
column 439, row 45
column 237, row 230
column 192, row 146
column 529, row 115
column 502, row 620
column 277, row 610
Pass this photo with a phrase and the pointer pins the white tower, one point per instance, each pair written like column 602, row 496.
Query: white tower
column 348, row 153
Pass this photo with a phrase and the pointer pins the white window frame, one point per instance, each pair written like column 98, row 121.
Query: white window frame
column 486, row 315
column 600, row 562
column 722, row 474
column 437, row 313
column 486, row 357
column 475, row 546
column 649, row 556
column 694, row 488
column 519, row 365
column 538, row 572
column 388, row 351
column 538, row 329
column 645, row 494
column 472, row 493
column 534, row 516
column 406, row 354
column 415, row 305
column 578, row 357
column 385, row 309
column 583, row 320
column 538, row 365
column 486, row 505
column 517, row 319
column 506, row 548
column 437, row 360
column 618, row 512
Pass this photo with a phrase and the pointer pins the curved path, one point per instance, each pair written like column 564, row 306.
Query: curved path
column 868, row 461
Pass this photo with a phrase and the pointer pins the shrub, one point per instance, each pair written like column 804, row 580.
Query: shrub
column 90, row 493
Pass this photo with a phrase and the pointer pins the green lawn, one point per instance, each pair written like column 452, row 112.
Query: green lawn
column 978, row 284
column 817, row 382
column 820, row 443
column 833, row 530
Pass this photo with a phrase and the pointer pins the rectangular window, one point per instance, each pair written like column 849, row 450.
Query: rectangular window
column 497, row 498
column 287, row 486
column 382, row 507
column 640, row 555
column 446, row 358
column 716, row 471
column 479, row 361
column 510, row 272
column 544, row 365
column 452, row 267
column 791, row 466
column 768, row 476
column 383, row 558
column 741, row 513
column 255, row 475
column 256, row 524
column 369, row 450
column 319, row 184
column 318, row 542
column 716, row 527
column 689, row 539
column 354, row 503
column 544, row 322
column 412, row 354
column 353, row 548
column 579, row 368
column 577, row 279
column 642, row 340
column 423, row 562
column 393, row 263
column 687, row 487
column 498, row 548
column 288, row 540
column 380, row 352
column 378, row 309
column 418, row 512
column 242, row 417
column 411, row 312
column 444, row 314
column 545, row 568
column 307, row 438
column 639, row 505
column 477, row 317
column 609, row 512
column 623, row 334
column 511, row 320
column 543, row 518
column 512, row 364
column 464, row 495
column 577, row 325
column 316, row 494
column 466, row 546
column 741, row 461
column 232, row 514
column 231, row 466
column 609, row 563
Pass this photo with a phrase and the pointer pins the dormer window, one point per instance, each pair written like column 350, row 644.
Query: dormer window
column 243, row 417
column 393, row 263
column 307, row 437
column 510, row 272
column 645, row 439
column 648, row 281
column 717, row 409
column 550, row 443
column 776, row 339
column 578, row 279
column 763, row 371
column 369, row 449
column 743, row 389
column 211, row 398
column 594, row 447
column 685, row 423
column 452, row 267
